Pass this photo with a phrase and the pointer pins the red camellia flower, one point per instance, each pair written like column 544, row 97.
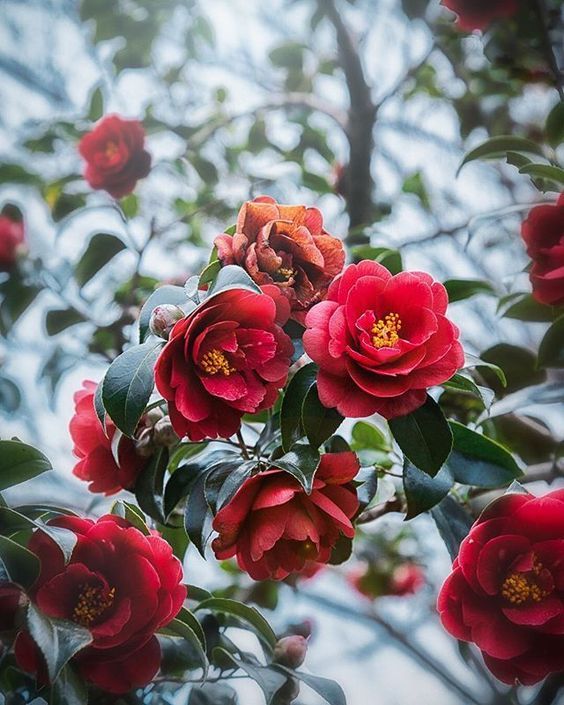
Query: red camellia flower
column 121, row 585
column 97, row 464
column 228, row 357
column 407, row 579
column 478, row 14
column 11, row 240
column 506, row 589
column 286, row 246
column 115, row 155
column 275, row 528
column 377, row 581
column 380, row 341
column 543, row 233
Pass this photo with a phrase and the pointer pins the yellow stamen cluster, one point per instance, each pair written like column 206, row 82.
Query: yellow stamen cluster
column 385, row 332
column 286, row 272
column 111, row 149
column 91, row 603
column 214, row 361
column 518, row 588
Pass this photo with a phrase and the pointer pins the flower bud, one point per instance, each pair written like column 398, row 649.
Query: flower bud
column 163, row 319
column 164, row 434
column 290, row 651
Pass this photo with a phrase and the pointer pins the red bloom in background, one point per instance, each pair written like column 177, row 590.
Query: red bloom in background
column 115, row 155
column 286, row 246
column 407, row 579
column 543, row 233
column 374, row 581
column 121, row 585
column 506, row 589
column 380, row 341
column 478, row 14
column 97, row 464
column 12, row 238
column 275, row 528
column 227, row 358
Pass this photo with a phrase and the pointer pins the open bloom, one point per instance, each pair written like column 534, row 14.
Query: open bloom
column 115, row 155
column 275, row 528
column 11, row 241
column 543, row 233
column 506, row 589
column 228, row 357
column 120, row 584
column 478, row 14
column 380, row 341
column 286, row 246
column 97, row 464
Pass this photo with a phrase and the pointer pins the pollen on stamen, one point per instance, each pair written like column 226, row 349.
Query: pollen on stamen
column 92, row 602
column 385, row 332
column 519, row 588
column 215, row 361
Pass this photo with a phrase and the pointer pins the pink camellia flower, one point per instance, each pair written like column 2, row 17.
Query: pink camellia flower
column 407, row 579
column 275, row 528
column 478, row 14
column 12, row 237
column 228, row 357
column 380, row 341
column 286, row 246
column 115, row 155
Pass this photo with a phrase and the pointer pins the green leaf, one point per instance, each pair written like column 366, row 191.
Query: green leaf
column 197, row 515
column 20, row 462
column 209, row 273
column 498, row 146
column 554, row 128
column 462, row 382
column 366, row 436
column 96, row 109
column 101, row 249
column 424, row 436
column 17, row 174
column 391, row 259
column 473, row 361
column 149, row 485
column 269, row 680
column 58, row 320
column 480, row 461
column 330, row 691
column 20, row 565
column 415, row 185
column 459, row 289
column 12, row 521
column 291, row 409
column 167, row 294
column 551, row 350
column 233, row 277
column 187, row 617
column 453, row 523
column 544, row 171
column 249, row 615
column 181, row 628
column 99, row 407
column 132, row 514
column 524, row 307
column 213, row 694
column 128, row 385
column 69, row 689
column 58, row 639
column 319, row 422
column 423, row 492
column 301, row 461
column 10, row 396
column 129, row 205
column 519, row 365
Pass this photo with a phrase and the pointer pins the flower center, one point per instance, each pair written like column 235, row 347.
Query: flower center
column 519, row 588
column 92, row 602
column 385, row 332
column 308, row 549
column 284, row 273
column 214, row 361
column 111, row 149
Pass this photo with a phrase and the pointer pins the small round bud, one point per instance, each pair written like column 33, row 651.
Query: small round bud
column 163, row 319
column 290, row 651
column 164, row 434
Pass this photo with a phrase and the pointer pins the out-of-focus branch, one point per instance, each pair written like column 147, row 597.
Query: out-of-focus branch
column 540, row 8
column 380, row 510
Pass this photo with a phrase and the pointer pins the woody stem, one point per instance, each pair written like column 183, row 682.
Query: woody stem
column 243, row 446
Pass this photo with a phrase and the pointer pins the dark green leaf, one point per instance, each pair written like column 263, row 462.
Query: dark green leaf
column 149, row 485
column 330, row 691
column 459, row 289
column 498, row 146
column 96, row 109
column 391, row 259
column 128, row 384
column 291, row 409
column 58, row 320
column 518, row 364
column 20, row 462
column 269, row 680
column 524, row 307
column 544, row 171
column 168, row 294
column 17, row 174
column 424, row 436
column 233, row 277
column 213, row 694
column 133, row 514
column 209, row 273
column 249, row 615
column 301, row 461
column 12, row 521
column 473, row 361
column 554, row 127
column 551, row 350
column 19, row 565
column 462, row 382
column 197, row 515
column 58, row 639
column 453, row 523
column 319, row 422
column 101, row 249
column 99, row 406
column 69, row 689
column 10, row 396
column 423, row 492
column 182, row 628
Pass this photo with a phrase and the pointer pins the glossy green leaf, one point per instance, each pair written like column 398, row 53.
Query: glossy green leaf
column 291, row 409
column 422, row 491
column 233, row 277
column 524, row 307
column 58, row 320
column 181, row 628
column 68, row 689
column 128, row 384
column 544, row 171
column 132, row 514
column 453, row 523
column 301, row 461
column 424, row 436
column 498, row 146
column 102, row 248
column 462, row 382
column 554, row 127
column 330, row 691
column 269, row 680
column 319, row 422
column 249, row 615
column 391, row 259
column 460, row 289
column 149, row 485
column 17, row 563
column 551, row 350
column 20, row 462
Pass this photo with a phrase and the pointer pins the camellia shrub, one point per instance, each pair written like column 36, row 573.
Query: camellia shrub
column 254, row 410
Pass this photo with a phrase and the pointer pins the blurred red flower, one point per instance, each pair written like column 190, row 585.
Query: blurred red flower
column 478, row 14
column 115, row 155
column 12, row 236
column 97, row 464
column 275, row 528
column 543, row 233
column 506, row 589
column 286, row 246
column 380, row 341
column 121, row 585
column 228, row 357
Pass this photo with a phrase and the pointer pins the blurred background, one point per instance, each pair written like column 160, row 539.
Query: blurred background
column 364, row 108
